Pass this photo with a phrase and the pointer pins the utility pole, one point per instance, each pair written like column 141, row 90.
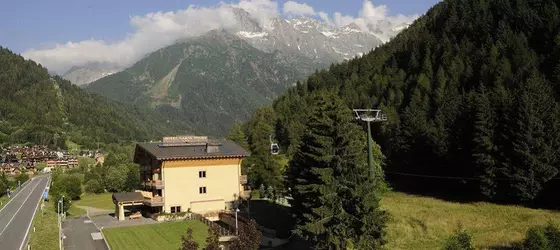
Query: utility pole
column 369, row 116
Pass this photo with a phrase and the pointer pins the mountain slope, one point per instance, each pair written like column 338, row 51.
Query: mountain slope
column 89, row 73
column 42, row 109
column 471, row 91
column 208, row 82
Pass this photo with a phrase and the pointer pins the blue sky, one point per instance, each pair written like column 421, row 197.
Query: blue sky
column 26, row 24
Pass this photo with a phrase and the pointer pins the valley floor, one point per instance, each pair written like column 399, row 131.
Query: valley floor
column 424, row 223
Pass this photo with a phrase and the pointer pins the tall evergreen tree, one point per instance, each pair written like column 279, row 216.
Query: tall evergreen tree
column 485, row 148
column 333, row 199
column 237, row 135
column 536, row 139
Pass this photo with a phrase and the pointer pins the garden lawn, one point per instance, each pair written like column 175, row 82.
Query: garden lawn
column 101, row 201
column 424, row 223
column 161, row 236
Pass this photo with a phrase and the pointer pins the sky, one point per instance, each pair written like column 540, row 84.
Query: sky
column 63, row 33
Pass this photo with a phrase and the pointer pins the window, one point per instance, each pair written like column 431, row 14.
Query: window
column 202, row 190
column 201, row 174
column 176, row 209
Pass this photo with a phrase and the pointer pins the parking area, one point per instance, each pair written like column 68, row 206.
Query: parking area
column 82, row 234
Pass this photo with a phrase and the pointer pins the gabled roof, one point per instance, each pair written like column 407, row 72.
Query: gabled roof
column 226, row 149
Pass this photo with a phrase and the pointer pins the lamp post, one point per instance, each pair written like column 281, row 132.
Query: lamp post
column 236, row 230
column 369, row 116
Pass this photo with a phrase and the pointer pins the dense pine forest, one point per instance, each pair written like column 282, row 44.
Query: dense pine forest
column 471, row 92
column 38, row 108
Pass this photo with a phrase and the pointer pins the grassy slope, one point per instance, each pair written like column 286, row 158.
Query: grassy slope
column 155, row 236
column 101, row 201
column 3, row 200
column 46, row 230
column 424, row 223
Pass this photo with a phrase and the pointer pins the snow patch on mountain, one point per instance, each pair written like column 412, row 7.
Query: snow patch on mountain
column 248, row 34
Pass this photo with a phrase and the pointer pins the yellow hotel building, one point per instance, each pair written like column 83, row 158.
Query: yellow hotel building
column 194, row 174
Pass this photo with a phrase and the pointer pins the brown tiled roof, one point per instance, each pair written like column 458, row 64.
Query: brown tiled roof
column 128, row 197
column 227, row 149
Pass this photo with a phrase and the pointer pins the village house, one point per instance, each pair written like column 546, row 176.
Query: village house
column 190, row 173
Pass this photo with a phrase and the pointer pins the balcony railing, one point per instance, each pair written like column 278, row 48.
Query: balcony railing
column 243, row 179
column 153, row 202
column 156, row 183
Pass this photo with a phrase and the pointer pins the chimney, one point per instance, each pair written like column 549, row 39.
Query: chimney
column 212, row 148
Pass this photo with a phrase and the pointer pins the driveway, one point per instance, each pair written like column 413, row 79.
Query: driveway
column 108, row 221
column 82, row 234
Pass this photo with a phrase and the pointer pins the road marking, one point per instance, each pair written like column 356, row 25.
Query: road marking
column 20, row 208
column 32, row 217
column 96, row 236
column 10, row 200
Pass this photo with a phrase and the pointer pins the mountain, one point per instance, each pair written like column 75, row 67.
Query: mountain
column 208, row 82
column 301, row 37
column 306, row 36
column 471, row 91
column 38, row 108
column 81, row 75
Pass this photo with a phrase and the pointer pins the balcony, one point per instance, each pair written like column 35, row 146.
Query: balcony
column 245, row 194
column 243, row 179
column 158, row 184
column 153, row 202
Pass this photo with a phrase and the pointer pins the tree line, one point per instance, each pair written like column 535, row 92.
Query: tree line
column 117, row 174
column 47, row 110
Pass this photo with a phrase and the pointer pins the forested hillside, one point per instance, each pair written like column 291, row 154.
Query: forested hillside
column 38, row 108
column 471, row 92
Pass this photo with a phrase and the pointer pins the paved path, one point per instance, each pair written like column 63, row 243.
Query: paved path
column 16, row 217
column 82, row 234
column 93, row 211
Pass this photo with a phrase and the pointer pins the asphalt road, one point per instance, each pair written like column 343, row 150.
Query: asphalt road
column 16, row 217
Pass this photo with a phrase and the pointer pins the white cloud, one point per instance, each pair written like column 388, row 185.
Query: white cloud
column 298, row 9
column 159, row 29
column 325, row 17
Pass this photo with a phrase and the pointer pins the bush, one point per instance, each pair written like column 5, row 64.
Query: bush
column 23, row 177
column 460, row 241
column 66, row 202
column 542, row 238
column 73, row 186
column 93, row 187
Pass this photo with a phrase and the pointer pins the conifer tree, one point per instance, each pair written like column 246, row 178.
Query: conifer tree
column 213, row 240
column 535, row 139
column 188, row 242
column 249, row 237
column 332, row 194
column 237, row 135
column 485, row 148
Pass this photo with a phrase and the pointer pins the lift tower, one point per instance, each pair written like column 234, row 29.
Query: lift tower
column 369, row 116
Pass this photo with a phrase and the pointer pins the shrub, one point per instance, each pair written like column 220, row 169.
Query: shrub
column 542, row 238
column 93, row 186
column 461, row 240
